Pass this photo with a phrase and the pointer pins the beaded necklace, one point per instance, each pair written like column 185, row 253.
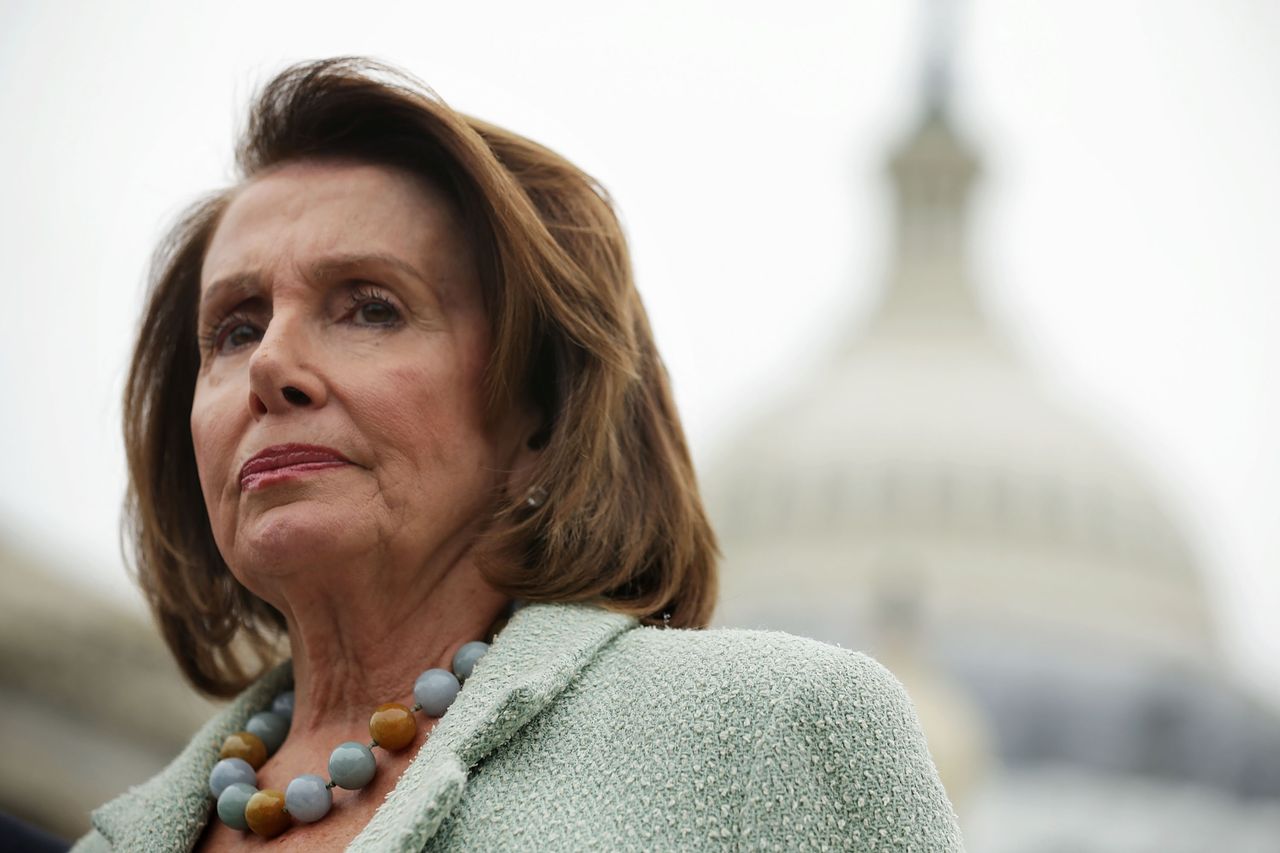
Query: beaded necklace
column 267, row 813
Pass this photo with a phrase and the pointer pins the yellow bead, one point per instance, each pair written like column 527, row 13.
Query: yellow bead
column 265, row 814
column 245, row 745
column 392, row 726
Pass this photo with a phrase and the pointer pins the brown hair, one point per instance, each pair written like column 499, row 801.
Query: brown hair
column 622, row 525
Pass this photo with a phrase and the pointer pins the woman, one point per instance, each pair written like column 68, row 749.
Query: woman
column 393, row 383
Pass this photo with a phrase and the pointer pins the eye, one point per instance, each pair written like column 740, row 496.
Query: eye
column 372, row 307
column 376, row 313
column 239, row 335
column 230, row 333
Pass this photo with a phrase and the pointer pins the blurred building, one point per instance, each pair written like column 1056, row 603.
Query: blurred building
column 923, row 496
column 91, row 701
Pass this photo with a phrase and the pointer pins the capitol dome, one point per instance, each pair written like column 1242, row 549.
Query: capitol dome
column 1058, row 620
column 926, row 447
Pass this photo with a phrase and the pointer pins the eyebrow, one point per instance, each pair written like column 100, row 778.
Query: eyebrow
column 244, row 283
column 330, row 267
column 334, row 266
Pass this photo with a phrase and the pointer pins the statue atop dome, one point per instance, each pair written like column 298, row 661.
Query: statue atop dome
column 930, row 290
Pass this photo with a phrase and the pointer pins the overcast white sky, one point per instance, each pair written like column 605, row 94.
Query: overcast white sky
column 1126, row 228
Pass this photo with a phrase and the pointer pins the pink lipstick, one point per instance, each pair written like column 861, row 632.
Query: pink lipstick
column 281, row 462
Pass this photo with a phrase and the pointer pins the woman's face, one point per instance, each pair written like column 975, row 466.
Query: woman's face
column 343, row 332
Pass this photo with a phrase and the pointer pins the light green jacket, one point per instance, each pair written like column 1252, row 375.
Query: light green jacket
column 581, row 729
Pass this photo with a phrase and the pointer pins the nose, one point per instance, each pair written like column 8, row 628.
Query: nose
column 283, row 374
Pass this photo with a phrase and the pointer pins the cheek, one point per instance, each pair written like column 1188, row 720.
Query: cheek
column 430, row 413
column 212, row 437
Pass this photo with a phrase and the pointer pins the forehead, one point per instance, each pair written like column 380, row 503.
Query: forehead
column 306, row 211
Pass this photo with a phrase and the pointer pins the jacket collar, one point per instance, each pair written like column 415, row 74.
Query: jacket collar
column 540, row 651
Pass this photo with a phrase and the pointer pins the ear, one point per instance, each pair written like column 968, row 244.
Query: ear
column 527, row 435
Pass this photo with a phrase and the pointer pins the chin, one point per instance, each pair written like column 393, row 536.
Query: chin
column 298, row 535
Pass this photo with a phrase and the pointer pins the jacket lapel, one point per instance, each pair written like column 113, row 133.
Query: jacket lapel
column 537, row 655
column 540, row 651
column 169, row 811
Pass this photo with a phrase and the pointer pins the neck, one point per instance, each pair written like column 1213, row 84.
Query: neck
column 358, row 644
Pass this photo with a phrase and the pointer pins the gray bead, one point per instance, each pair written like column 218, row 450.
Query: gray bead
column 232, row 802
column 283, row 705
column 307, row 798
column 228, row 771
column 464, row 660
column 270, row 727
column 435, row 691
column 351, row 765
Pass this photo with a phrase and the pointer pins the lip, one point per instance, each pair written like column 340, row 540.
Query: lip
column 287, row 461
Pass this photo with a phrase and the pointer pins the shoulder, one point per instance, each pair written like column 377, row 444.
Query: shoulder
column 836, row 753
column 803, row 671
column 795, row 687
column 91, row 842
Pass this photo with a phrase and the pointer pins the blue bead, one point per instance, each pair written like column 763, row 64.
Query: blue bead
column 283, row 705
column 464, row 660
column 307, row 798
column 351, row 765
column 270, row 727
column 435, row 691
column 232, row 802
column 229, row 771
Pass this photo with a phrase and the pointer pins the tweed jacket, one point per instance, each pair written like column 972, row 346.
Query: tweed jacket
column 581, row 729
